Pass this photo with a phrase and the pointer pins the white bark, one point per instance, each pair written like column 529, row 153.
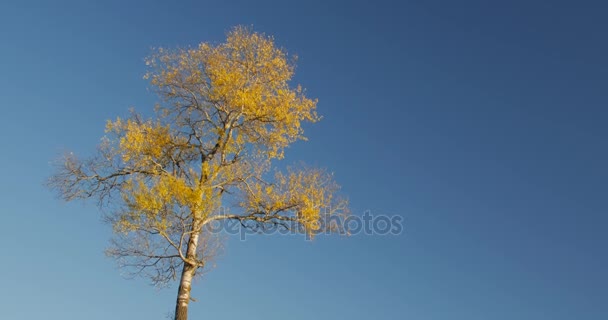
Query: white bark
column 185, row 284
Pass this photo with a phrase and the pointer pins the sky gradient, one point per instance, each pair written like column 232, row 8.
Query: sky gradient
column 481, row 123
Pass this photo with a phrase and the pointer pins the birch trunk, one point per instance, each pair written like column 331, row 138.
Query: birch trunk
column 185, row 284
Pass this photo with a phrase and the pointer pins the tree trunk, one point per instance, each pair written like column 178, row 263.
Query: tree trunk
column 185, row 283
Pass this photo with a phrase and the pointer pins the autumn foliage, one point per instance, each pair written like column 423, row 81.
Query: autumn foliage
column 227, row 113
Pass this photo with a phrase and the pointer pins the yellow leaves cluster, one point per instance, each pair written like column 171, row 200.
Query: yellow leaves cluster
column 251, row 75
column 305, row 193
column 141, row 142
column 151, row 203
column 244, row 81
column 154, row 193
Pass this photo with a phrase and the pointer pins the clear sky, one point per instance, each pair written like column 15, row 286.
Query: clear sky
column 482, row 123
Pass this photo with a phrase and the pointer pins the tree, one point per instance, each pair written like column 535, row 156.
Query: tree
column 227, row 111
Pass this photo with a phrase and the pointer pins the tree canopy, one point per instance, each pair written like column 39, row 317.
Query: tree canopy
column 226, row 112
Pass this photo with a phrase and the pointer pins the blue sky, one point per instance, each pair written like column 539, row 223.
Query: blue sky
column 481, row 123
